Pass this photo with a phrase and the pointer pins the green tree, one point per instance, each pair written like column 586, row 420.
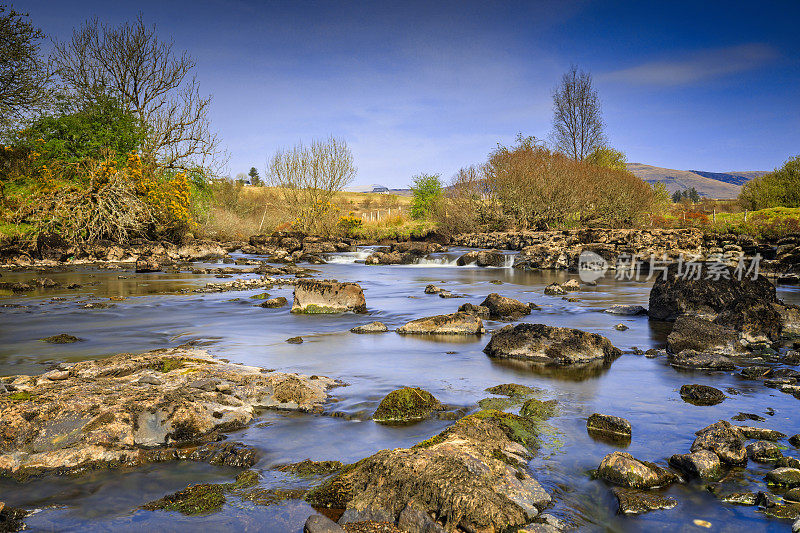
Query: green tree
column 24, row 77
column 605, row 156
column 255, row 179
column 677, row 196
column 779, row 188
column 426, row 190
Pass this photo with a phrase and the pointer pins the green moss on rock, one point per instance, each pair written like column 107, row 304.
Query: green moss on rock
column 406, row 405
column 513, row 389
column 539, row 410
column 193, row 500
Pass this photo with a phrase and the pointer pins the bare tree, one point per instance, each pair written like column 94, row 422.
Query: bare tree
column 24, row 76
column 150, row 79
column 577, row 121
column 307, row 178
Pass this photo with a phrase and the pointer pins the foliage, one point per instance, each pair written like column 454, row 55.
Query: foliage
column 347, row 224
column 779, row 188
column 577, row 121
column 604, row 156
column 426, row 190
column 308, row 178
column 24, row 76
column 690, row 195
column 255, row 179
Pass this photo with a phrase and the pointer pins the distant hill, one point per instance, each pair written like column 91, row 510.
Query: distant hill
column 722, row 185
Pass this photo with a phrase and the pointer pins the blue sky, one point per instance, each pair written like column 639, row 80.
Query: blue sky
column 433, row 86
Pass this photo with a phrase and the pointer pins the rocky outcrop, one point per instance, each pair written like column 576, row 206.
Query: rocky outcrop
column 548, row 345
column 699, row 334
column 328, row 296
column 503, row 307
column 623, row 469
column 409, row 404
column 453, row 324
column 472, row 476
column 133, row 409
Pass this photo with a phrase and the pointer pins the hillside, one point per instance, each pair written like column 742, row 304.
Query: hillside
column 723, row 185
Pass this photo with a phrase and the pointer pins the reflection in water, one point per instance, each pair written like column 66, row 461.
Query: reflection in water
column 155, row 314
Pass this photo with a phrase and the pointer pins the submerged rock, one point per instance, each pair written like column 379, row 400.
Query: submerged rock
column 763, row 451
column 700, row 360
column 308, row 468
column 114, row 412
column 62, row 338
column 477, row 310
column 784, row 477
column 609, row 426
column 470, row 476
column 534, row 409
column 548, row 345
column 317, row 523
column 203, row 498
column 626, row 310
column 372, row 327
column 703, row 464
column 554, row 289
column 639, row 502
column 274, row 303
column 623, row 469
column 453, row 324
column 327, row 296
column 513, row 389
column 408, row 404
column 701, row 395
column 504, row 307
column 295, row 340
column 760, row 433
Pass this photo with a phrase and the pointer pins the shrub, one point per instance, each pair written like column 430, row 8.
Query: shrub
column 779, row 188
column 427, row 191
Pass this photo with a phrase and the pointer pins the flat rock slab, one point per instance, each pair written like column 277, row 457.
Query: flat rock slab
column 701, row 395
column 454, row 324
column 124, row 409
column 639, row 502
column 700, row 360
column 328, row 296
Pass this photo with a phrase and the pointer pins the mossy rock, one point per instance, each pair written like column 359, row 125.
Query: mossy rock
column 313, row 309
column 309, row 468
column 261, row 296
column 248, row 478
column 61, row 338
column 539, row 410
column 193, row 500
column 19, row 396
column 513, row 389
column 499, row 404
column 406, row 405
column 517, row 428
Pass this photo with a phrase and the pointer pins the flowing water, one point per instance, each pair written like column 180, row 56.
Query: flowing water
column 158, row 313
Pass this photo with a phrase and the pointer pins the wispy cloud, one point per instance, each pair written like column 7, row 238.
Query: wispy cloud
column 696, row 67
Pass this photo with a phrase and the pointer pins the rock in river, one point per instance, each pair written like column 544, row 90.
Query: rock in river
column 784, row 477
column 273, row 303
column 638, row 501
column 764, row 451
column 471, row 476
column 454, row 324
column 701, row 395
column 626, row 310
column 703, row 464
column 609, row 426
column 62, row 338
column 548, row 345
column 700, row 360
column 372, row 327
column 505, row 307
column 326, row 296
column 623, row 469
column 723, row 439
column 701, row 335
column 408, row 404
column 105, row 414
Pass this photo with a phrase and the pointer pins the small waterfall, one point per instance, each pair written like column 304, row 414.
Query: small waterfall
column 347, row 258
column 440, row 261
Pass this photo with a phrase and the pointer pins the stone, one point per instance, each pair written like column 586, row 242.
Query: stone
column 784, row 477
column 723, row 439
column 626, row 310
column 701, row 395
column 794, row 440
column 571, row 285
column 372, row 327
column 789, row 462
column 621, row 327
column 295, row 340
column 623, row 469
column 326, row 296
column 105, row 414
column 56, row 375
column 274, row 303
column 477, row 310
column 62, row 338
column 409, row 404
column 147, row 264
column 548, row 345
column 317, row 523
column 673, row 296
column 554, row 289
column 433, row 289
column 755, row 372
column 701, row 335
column 639, row 502
column 764, row 451
column 503, row 307
column 308, row 468
column 440, row 476
column 609, row 426
column 454, row 324
column 751, row 432
column 740, row 498
column 513, row 389
column 700, row 360
column 703, row 464
column 414, row 519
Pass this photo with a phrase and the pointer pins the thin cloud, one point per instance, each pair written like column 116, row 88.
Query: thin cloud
column 700, row 66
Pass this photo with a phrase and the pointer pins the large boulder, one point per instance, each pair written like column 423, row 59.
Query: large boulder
column 454, row 324
column 673, row 295
column 623, row 469
column 725, row 440
column 548, row 345
column 504, row 307
column 327, row 296
column 472, row 476
column 699, row 334
column 703, row 464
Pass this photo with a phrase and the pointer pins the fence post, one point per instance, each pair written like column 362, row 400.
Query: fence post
column 745, row 215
